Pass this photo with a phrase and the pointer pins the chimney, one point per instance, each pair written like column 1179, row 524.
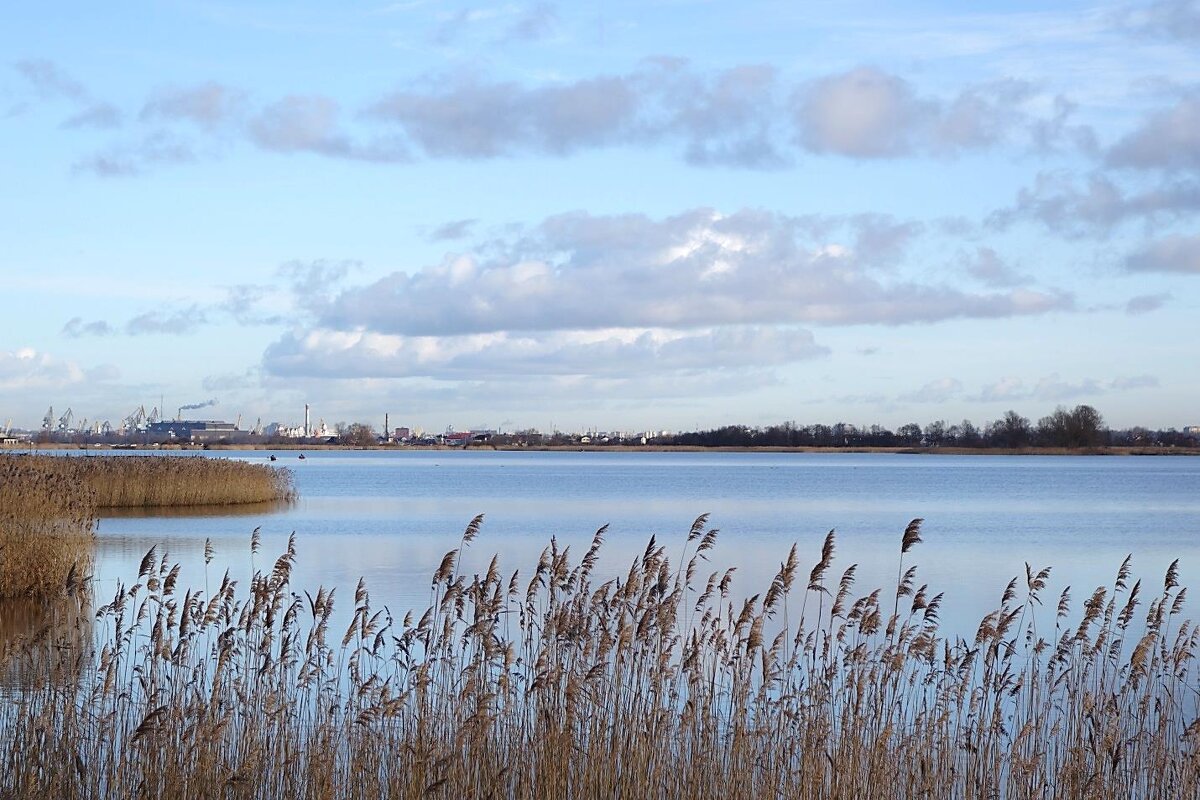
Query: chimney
column 306, row 428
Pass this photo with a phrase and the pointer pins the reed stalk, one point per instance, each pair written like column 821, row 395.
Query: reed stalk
column 649, row 685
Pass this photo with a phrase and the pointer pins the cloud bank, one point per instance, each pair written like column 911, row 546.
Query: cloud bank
column 609, row 295
column 746, row 116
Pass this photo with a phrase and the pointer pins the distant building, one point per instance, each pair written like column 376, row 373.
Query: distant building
column 403, row 434
column 193, row 430
column 285, row 431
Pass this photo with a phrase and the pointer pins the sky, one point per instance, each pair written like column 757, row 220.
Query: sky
column 662, row 214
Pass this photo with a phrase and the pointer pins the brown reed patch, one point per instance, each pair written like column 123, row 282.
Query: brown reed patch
column 48, row 506
column 657, row 684
column 162, row 481
column 46, row 530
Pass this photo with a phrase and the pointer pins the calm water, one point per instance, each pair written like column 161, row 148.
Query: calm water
column 389, row 517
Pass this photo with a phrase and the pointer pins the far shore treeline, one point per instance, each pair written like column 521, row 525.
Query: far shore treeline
column 1080, row 427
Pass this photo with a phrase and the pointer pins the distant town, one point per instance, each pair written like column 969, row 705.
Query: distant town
column 1080, row 427
column 148, row 428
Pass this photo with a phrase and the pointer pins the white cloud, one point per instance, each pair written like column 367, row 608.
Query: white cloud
column 209, row 105
column 76, row 327
column 51, row 81
column 699, row 268
column 309, row 123
column 97, row 115
column 182, row 321
column 1178, row 254
column 1167, row 139
column 865, row 113
column 1145, row 303
column 1170, row 19
column 617, row 353
column 26, row 368
column 1099, row 206
column 936, row 391
column 1053, row 388
column 1007, row 388
column 869, row 113
column 986, row 266
column 739, row 116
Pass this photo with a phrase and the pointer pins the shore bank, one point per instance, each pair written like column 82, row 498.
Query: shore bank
column 648, row 448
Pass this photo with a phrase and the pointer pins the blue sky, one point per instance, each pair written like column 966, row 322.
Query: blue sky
column 603, row 214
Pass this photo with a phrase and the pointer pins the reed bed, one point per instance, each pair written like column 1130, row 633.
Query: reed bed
column 46, row 529
column 657, row 684
column 161, row 481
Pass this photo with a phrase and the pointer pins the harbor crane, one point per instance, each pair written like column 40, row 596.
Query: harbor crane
column 135, row 420
column 64, row 422
column 48, row 420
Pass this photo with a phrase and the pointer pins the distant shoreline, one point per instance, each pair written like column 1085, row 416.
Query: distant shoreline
column 650, row 448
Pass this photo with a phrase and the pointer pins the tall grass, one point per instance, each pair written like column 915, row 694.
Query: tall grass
column 48, row 506
column 46, row 529
column 158, row 481
column 655, row 684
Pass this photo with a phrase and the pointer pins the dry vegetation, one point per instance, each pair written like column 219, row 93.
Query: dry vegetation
column 46, row 529
column 48, row 506
column 157, row 481
column 656, row 684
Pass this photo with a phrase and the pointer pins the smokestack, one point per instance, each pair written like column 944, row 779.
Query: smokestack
column 306, row 429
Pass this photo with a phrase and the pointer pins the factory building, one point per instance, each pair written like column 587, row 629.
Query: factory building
column 193, row 430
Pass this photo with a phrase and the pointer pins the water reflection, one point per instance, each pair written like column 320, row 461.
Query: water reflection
column 234, row 510
column 44, row 642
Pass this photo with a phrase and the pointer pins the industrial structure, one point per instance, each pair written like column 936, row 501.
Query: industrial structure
column 195, row 430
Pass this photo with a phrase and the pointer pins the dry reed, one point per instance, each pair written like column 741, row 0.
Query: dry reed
column 46, row 529
column 48, row 506
column 657, row 684
column 159, row 481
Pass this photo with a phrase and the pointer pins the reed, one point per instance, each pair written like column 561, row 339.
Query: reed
column 46, row 529
column 160, row 481
column 48, row 506
column 658, row 684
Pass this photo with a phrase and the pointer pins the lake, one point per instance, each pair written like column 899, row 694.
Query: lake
column 390, row 516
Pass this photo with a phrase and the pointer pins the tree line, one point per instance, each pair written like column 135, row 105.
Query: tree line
column 1080, row 427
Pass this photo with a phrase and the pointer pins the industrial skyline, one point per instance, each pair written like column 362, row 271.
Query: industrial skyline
column 624, row 215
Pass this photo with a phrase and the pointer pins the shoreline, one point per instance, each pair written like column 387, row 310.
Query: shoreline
column 649, row 448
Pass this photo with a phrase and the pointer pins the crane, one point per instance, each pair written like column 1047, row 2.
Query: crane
column 154, row 416
column 135, row 420
column 48, row 420
column 64, row 422
column 106, row 428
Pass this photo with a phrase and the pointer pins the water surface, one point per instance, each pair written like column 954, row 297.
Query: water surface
column 390, row 516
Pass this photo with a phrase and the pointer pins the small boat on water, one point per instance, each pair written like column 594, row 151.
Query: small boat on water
column 302, row 456
column 273, row 457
